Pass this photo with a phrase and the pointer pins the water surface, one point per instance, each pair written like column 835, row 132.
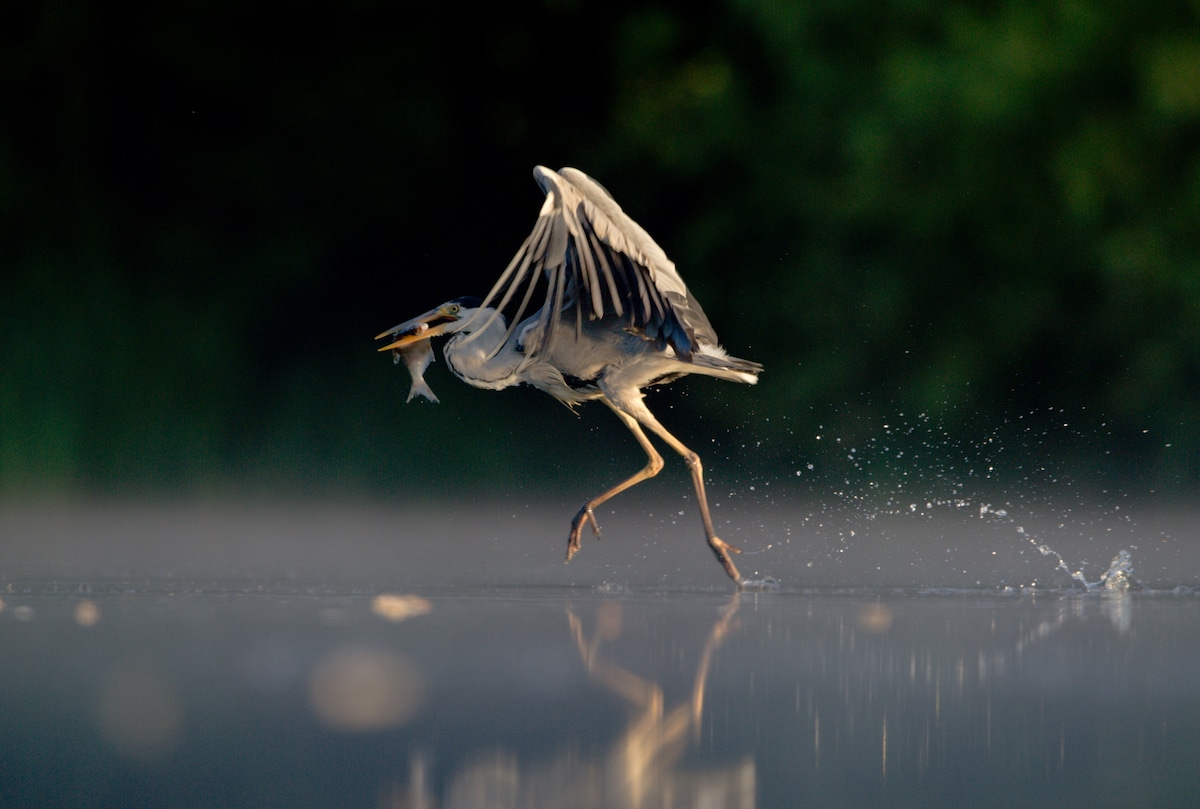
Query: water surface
column 386, row 657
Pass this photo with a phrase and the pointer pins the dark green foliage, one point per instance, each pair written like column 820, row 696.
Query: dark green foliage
column 208, row 209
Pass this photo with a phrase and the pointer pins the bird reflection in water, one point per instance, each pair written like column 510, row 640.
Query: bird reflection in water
column 641, row 768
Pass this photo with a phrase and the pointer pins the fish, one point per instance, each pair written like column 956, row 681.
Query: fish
column 416, row 358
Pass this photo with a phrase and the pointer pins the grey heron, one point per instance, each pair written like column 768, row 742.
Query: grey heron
column 615, row 318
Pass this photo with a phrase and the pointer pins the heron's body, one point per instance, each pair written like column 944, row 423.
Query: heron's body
column 601, row 360
column 616, row 318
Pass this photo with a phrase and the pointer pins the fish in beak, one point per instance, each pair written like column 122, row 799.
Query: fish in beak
column 414, row 347
column 419, row 328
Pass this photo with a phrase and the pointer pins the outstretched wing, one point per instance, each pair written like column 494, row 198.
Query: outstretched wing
column 595, row 261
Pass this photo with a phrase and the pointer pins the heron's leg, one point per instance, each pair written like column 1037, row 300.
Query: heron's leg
column 654, row 464
column 719, row 547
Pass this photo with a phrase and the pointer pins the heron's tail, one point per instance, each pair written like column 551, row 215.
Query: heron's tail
column 715, row 362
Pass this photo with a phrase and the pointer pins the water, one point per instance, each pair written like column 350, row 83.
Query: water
column 387, row 656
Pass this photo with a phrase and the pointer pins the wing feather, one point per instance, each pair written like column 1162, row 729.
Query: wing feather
column 521, row 270
column 595, row 261
column 587, row 264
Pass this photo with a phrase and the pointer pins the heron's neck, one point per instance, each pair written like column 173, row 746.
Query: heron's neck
column 473, row 362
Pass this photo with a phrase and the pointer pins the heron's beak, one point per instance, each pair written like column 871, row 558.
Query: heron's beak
column 417, row 329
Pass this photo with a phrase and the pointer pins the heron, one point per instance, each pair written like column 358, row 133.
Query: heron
column 615, row 318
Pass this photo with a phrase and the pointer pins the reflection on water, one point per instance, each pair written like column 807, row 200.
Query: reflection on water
column 941, row 700
column 640, row 769
column 182, row 695
column 1069, row 700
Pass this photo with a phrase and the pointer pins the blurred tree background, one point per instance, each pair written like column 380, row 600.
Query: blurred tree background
column 978, row 215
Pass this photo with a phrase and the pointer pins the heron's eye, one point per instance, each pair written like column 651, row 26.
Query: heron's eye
column 452, row 309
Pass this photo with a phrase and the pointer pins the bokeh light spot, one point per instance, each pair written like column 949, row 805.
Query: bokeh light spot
column 365, row 689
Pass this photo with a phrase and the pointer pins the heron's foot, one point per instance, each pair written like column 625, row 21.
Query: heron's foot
column 585, row 515
column 723, row 549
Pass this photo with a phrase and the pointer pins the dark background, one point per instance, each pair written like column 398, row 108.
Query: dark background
column 959, row 236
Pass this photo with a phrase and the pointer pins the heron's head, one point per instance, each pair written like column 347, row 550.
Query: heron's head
column 448, row 318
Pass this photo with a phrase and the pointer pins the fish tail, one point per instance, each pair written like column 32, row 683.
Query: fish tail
column 420, row 388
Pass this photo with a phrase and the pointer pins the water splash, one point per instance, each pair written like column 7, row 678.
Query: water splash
column 1060, row 563
column 915, row 467
column 1119, row 576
